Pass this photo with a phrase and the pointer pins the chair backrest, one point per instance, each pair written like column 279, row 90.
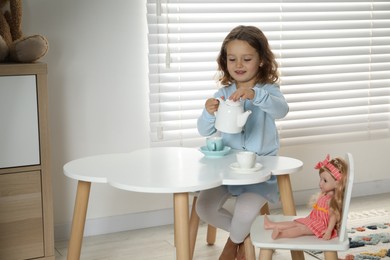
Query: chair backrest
column 347, row 196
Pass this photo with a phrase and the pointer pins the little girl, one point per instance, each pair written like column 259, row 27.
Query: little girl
column 248, row 72
column 324, row 219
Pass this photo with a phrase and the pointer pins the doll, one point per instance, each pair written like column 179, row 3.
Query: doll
column 324, row 219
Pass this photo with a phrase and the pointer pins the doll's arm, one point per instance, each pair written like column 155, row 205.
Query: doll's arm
column 332, row 223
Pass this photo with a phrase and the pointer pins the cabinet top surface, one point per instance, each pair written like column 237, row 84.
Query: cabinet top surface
column 22, row 68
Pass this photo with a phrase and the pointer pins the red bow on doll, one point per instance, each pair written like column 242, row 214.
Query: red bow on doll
column 330, row 167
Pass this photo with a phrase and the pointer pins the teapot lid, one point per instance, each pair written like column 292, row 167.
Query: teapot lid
column 232, row 103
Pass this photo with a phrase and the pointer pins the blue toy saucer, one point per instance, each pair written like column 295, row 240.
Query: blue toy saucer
column 209, row 153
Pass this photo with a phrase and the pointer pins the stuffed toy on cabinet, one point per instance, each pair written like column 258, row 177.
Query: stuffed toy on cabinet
column 14, row 47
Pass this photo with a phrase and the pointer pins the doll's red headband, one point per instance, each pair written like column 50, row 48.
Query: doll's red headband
column 330, row 167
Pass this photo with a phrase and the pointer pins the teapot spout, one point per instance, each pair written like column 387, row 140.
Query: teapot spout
column 242, row 118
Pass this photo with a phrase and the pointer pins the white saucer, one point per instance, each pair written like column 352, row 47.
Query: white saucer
column 236, row 167
column 209, row 153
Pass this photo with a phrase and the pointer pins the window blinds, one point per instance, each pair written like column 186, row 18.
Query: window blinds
column 334, row 64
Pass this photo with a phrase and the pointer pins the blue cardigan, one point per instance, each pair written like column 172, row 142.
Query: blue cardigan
column 259, row 135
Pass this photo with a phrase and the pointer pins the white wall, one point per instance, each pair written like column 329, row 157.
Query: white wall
column 98, row 94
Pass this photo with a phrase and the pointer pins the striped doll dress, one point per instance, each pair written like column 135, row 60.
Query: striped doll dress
column 318, row 219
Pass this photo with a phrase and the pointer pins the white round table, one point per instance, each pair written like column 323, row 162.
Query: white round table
column 173, row 170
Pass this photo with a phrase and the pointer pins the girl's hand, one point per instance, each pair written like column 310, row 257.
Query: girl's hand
column 243, row 93
column 212, row 105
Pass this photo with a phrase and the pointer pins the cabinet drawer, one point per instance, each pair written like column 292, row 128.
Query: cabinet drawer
column 21, row 220
column 19, row 134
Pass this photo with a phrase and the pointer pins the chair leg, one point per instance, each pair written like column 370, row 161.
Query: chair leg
column 297, row 255
column 249, row 249
column 211, row 235
column 194, row 225
column 265, row 209
column 266, row 254
column 330, row 255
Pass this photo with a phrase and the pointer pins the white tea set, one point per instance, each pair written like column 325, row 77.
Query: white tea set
column 246, row 162
column 231, row 117
column 215, row 147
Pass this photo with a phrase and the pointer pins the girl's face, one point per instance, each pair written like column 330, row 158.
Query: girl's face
column 327, row 182
column 243, row 63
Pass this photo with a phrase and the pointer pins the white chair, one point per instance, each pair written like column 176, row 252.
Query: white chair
column 262, row 238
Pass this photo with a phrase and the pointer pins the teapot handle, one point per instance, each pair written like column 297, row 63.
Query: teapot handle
column 220, row 100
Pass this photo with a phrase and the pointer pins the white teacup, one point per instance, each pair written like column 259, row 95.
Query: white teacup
column 214, row 143
column 246, row 159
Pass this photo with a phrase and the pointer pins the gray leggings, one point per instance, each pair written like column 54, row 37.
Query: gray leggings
column 210, row 209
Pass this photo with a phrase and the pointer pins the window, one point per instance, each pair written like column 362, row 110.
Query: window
column 334, row 63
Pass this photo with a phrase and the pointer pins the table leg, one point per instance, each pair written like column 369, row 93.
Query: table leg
column 78, row 222
column 194, row 226
column 286, row 195
column 182, row 237
column 288, row 205
column 211, row 235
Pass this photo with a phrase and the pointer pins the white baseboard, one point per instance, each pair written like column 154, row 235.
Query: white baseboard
column 118, row 223
column 165, row 216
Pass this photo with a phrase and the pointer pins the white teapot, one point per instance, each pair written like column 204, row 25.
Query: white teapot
column 230, row 117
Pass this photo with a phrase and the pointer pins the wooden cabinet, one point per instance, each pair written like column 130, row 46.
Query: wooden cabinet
column 26, row 206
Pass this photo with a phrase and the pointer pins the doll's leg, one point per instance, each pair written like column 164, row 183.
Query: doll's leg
column 268, row 224
column 296, row 231
column 209, row 207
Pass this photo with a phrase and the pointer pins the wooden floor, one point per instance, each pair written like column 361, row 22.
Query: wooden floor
column 157, row 243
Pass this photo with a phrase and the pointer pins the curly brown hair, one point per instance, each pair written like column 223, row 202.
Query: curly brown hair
column 268, row 71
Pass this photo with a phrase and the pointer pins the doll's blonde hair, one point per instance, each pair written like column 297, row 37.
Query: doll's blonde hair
column 336, row 202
